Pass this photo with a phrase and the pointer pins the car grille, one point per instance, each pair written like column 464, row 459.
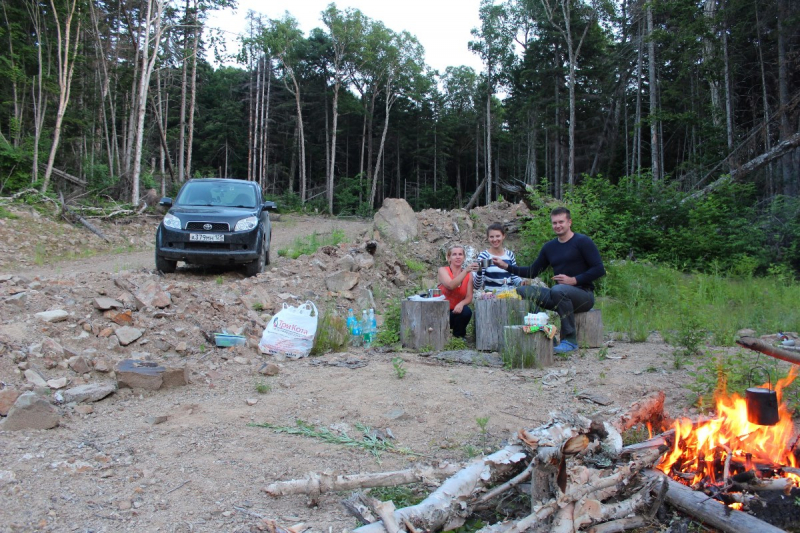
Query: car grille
column 202, row 226
column 208, row 246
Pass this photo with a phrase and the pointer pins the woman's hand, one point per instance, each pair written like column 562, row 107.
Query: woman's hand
column 500, row 263
column 458, row 308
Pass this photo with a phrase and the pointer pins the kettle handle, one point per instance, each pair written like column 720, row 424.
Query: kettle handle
column 769, row 376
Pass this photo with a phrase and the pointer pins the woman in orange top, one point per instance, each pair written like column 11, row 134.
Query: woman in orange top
column 455, row 281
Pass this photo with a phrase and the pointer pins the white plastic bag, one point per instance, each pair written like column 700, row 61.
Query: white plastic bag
column 291, row 331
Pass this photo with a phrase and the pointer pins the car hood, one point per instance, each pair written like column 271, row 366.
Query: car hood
column 212, row 213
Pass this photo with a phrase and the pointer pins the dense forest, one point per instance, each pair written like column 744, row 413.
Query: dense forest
column 117, row 96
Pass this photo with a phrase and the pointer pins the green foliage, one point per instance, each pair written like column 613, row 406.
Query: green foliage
column 455, row 343
column 309, row 245
column 690, row 309
column 332, row 334
column 399, row 369
column 368, row 441
column 401, row 495
column 389, row 333
column 719, row 231
column 262, row 387
column 417, row 266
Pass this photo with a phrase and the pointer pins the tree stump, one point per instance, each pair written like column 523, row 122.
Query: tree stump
column 589, row 326
column 492, row 316
column 424, row 324
column 526, row 350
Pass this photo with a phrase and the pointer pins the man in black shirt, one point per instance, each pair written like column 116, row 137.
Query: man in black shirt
column 576, row 264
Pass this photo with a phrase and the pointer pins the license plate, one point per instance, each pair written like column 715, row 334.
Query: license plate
column 206, row 237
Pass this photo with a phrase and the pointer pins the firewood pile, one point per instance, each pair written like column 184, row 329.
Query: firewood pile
column 577, row 472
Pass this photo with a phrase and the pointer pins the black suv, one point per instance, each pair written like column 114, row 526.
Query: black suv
column 215, row 222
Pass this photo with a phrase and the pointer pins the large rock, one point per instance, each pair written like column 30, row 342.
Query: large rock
column 104, row 303
column 30, row 411
column 52, row 316
column 396, row 220
column 35, row 378
column 91, row 392
column 78, row 364
column 147, row 375
column 341, row 281
column 127, row 334
column 151, row 295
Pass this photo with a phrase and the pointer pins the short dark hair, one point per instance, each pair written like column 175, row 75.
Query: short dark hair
column 497, row 227
column 561, row 211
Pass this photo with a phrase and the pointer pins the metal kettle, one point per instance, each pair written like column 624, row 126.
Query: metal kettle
column 762, row 404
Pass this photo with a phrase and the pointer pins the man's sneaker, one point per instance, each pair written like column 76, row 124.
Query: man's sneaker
column 565, row 346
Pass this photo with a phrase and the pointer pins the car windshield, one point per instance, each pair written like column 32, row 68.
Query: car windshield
column 214, row 193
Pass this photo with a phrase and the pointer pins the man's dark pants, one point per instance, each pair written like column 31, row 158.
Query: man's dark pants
column 566, row 300
column 459, row 321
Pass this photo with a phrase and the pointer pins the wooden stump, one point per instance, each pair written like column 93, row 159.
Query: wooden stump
column 424, row 324
column 589, row 327
column 526, row 350
column 491, row 316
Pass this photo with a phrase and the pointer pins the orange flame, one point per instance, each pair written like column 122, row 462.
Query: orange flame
column 730, row 433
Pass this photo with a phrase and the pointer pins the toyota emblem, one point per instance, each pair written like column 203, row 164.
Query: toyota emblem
column 207, row 226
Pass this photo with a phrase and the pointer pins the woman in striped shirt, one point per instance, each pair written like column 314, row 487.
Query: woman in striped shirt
column 493, row 277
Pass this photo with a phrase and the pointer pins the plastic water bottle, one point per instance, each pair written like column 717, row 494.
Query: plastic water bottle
column 372, row 322
column 351, row 321
column 366, row 328
column 355, row 333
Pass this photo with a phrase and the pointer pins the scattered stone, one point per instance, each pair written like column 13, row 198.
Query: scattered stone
column 746, row 332
column 137, row 374
column 124, row 505
column 30, row 411
column 396, row 220
column 470, row 357
column 154, row 420
column 51, row 348
column 127, row 335
column 7, row 399
column 18, row 299
column 35, row 378
column 341, row 281
column 346, row 263
column 59, row 383
column 251, row 401
column 78, row 364
column 151, row 295
column 91, row 392
column 104, row 303
column 269, row 369
column 241, row 360
column 101, row 364
column 364, row 261
column 84, row 409
column 395, row 414
column 52, row 316
column 7, row 476
column 123, row 318
column 105, row 333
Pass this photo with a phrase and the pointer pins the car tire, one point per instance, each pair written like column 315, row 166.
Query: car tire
column 268, row 245
column 256, row 267
column 165, row 265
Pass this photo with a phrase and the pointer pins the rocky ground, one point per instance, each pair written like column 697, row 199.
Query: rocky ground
column 183, row 457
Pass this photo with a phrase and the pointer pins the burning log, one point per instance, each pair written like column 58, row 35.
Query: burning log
column 710, row 511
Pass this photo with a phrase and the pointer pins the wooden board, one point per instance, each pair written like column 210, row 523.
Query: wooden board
column 491, row 316
column 589, row 327
column 424, row 324
column 526, row 350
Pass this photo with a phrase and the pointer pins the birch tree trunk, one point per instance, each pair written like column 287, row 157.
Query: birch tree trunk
column 37, row 90
column 198, row 30
column 654, row 122
column 66, row 49
column 182, row 119
column 148, row 63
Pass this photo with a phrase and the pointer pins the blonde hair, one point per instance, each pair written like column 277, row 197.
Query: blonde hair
column 453, row 247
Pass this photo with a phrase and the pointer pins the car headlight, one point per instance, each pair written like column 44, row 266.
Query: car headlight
column 171, row 221
column 246, row 224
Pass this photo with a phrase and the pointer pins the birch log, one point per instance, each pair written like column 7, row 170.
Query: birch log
column 447, row 508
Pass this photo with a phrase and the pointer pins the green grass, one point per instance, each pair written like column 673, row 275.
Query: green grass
column 417, row 266
column 310, row 244
column 389, row 333
column 263, row 388
column 399, row 369
column 694, row 310
column 5, row 213
column 332, row 334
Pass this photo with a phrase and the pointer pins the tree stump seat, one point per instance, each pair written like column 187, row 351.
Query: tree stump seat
column 589, row 327
column 424, row 324
column 526, row 350
column 492, row 316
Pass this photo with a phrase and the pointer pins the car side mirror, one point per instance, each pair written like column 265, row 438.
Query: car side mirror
column 165, row 201
column 270, row 205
